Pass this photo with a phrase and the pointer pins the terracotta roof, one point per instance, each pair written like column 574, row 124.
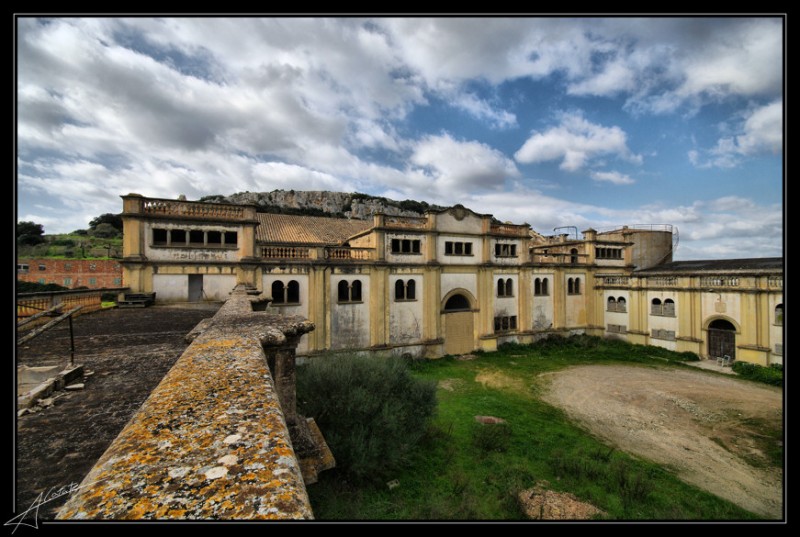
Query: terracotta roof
column 720, row 265
column 311, row 230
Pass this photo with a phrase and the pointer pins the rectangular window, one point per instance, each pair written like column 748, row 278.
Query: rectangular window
column 178, row 237
column 405, row 246
column 42, row 268
column 41, row 280
column 67, row 282
column 67, row 266
column 779, row 349
column 457, row 248
column 117, row 281
column 159, row 237
column 617, row 329
column 608, row 253
column 92, row 281
column 22, row 268
column 505, row 323
column 231, row 238
column 505, row 250
column 196, row 238
column 214, row 238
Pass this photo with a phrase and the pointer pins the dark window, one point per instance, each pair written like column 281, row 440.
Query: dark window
column 505, row 287
column 231, row 238
column 457, row 248
column 669, row 308
column 349, row 291
column 779, row 314
column 612, row 304
column 537, row 287
column 505, row 250
column 196, row 237
column 42, row 268
column 574, row 286
column 117, row 281
column 178, row 237
column 293, row 292
column 214, row 238
column 457, row 303
column 159, row 237
column 22, row 268
column 405, row 246
column 656, row 307
column 278, row 292
column 505, row 323
column 573, row 256
column 67, row 282
column 545, row 290
column 405, row 290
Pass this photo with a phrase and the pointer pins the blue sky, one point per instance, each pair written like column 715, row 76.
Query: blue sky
column 551, row 121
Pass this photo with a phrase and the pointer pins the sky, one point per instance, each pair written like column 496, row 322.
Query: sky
column 585, row 122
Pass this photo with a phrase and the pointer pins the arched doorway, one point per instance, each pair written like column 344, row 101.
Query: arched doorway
column 458, row 325
column 721, row 339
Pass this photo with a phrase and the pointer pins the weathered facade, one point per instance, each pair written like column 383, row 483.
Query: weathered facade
column 453, row 281
column 71, row 273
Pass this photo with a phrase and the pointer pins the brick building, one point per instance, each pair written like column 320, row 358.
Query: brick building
column 71, row 273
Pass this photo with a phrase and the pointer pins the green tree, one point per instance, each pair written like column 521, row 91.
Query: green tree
column 104, row 231
column 115, row 220
column 30, row 233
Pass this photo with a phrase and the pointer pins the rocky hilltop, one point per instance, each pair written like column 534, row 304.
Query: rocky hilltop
column 324, row 203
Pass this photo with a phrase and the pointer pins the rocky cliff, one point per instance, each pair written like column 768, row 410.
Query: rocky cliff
column 324, row 203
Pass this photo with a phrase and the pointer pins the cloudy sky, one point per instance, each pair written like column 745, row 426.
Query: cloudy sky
column 550, row 121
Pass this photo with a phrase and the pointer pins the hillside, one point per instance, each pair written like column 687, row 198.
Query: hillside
column 324, row 203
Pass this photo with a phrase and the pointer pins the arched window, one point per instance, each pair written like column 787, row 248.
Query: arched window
column 457, row 303
column 278, row 295
column 655, row 307
column 545, row 291
column 622, row 307
column 537, row 287
column 399, row 290
column 355, row 291
column 669, row 307
column 573, row 256
column 570, row 286
column 612, row 304
column 405, row 290
column 779, row 314
column 577, row 288
column 505, row 287
column 293, row 292
column 344, row 291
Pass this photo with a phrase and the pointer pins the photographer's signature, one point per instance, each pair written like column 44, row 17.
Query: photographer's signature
column 30, row 517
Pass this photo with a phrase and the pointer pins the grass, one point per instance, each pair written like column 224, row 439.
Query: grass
column 460, row 472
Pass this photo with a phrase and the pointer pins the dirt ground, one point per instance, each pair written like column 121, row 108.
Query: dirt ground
column 129, row 351
column 682, row 419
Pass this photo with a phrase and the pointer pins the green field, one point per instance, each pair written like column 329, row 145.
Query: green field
column 463, row 470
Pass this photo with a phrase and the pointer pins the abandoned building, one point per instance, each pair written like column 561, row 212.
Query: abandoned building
column 71, row 273
column 454, row 281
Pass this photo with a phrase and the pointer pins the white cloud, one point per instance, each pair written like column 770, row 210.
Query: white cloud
column 481, row 109
column 458, row 166
column 761, row 132
column 575, row 141
column 616, row 178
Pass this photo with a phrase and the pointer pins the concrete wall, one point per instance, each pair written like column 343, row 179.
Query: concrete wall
column 405, row 259
column 163, row 253
column 506, row 305
column 350, row 322
column 521, row 257
column 616, row 317
column 474, row 259
column 451, row 281
column 775, row 330
column 575, row 304
column 405, row 317
column 175, row 287
column 286, row 275
column 542, row 314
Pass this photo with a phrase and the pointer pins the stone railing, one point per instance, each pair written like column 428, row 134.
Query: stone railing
column 345, row 254
column 284, row 252
column 219, row 437
column 213, row 211
column 662, row 281
column 775, row 282
column 719, row 281
column 616, row 280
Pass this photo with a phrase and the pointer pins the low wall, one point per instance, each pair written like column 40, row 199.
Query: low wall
column 212, row 441
column 29, row 304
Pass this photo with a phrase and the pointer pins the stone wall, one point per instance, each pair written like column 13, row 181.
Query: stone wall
column 219, row 437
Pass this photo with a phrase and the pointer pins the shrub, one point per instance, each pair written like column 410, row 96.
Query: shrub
column 371, row 411
column 767, row 375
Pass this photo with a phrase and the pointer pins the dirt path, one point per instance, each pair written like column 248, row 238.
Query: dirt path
column 670, row 416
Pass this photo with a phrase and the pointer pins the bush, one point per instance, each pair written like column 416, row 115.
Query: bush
column 371, row 411
column 491, row 436
column 767, row 375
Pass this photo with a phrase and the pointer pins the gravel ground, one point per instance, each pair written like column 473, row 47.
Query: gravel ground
column 129, row 351
column 706, row 427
